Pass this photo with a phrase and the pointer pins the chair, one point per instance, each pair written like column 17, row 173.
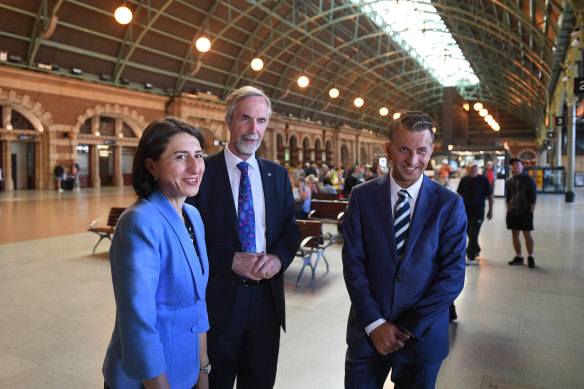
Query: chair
column 314, row 243
column 106, row 232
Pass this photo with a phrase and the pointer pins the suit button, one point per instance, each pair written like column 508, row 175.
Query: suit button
column 399, row 279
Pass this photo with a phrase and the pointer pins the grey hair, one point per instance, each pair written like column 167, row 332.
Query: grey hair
column 240, row 94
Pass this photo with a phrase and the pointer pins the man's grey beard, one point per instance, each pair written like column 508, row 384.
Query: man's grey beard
column 246, row 149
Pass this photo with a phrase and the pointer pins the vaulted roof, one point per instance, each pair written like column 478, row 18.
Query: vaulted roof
column 515, row 48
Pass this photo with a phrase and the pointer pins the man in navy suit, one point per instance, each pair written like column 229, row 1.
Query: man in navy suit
column 245, row 294
column 399, row 302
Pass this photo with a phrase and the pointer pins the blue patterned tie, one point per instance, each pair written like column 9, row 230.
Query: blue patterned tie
column 401, row 221
column 245, row 213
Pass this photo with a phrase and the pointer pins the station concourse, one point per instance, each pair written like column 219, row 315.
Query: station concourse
column 517, row 328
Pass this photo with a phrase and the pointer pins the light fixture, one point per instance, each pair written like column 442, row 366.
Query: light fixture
column 123, row 15
column 483, row 112
column 203, row 44
column 334, row 93
column 478, row 106
column 396, row 116
column 303, row 81
column 358, row 102
column 496, row 127
column 257, row 64
column 489, row 118
column 383, row 111
column 466, row 107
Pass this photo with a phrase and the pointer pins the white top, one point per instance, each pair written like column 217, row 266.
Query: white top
column 257, row 191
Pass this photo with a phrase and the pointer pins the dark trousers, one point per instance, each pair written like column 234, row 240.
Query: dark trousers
column 248, row 348
column 472, row 230
column 372, row 372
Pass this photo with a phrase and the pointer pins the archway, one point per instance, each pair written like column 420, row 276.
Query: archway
column 345, row 155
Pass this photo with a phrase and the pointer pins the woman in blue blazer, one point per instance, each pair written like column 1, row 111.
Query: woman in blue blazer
column 160, row 269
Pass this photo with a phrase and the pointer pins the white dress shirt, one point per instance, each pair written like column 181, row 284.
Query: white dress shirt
column 413, row 191
column 257, row 191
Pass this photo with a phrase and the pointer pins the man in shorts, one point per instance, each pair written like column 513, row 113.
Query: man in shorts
column 520, row 194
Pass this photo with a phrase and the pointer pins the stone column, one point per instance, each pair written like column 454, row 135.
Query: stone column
column 571, row 152
column 7, row 163
column 95, row 180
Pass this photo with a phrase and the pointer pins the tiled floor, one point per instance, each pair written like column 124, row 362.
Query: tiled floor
column 517, row 327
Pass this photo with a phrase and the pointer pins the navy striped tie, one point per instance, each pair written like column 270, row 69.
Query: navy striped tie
column 401, row 221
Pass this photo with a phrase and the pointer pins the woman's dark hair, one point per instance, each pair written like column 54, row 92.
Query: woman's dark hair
column 152, row 144
column 326, row 181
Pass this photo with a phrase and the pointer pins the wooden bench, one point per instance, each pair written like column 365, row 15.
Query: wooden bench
column 108, row 230
column 314, row 243
column 325, row 196
column 327, row 211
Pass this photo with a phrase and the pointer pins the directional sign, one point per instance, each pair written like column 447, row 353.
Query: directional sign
column 579, row 85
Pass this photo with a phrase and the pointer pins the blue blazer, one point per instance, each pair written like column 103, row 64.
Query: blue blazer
column 416, row 292
column 215, row 202
column 159, row 288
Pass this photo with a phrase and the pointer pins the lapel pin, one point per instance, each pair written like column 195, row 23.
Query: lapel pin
column 269, row 174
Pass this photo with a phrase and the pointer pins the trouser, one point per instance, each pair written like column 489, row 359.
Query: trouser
column 472, row 230
column 248, row 348
column 372, row 372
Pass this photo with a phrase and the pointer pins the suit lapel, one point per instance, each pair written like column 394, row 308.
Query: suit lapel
column 269, row 194
column 203, row 261
column 385, row 206
column 175, row 223
column 426, row 198
column 217, row 170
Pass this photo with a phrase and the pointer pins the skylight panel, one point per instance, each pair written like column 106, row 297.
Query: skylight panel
column 417, row 28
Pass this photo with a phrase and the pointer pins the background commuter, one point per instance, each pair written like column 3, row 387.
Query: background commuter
column 59, row 176
column 475, row 189
column 491, row 175
column 302, row 196
column 520, row 196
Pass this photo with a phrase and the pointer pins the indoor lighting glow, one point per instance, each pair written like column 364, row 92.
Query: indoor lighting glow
column 303, row 81
column 483, row 112
column 203, row 44
column 383, row 111
column 478, row 106
column 334, row 93
column 466, row 107
column 123, row 15
column 396, row 116
column 496, row 127
column 428, row 40
column 359, row 102
column 257, row 64
column 488, row 118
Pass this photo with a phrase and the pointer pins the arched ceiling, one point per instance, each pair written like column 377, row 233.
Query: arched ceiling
column 515, row 47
